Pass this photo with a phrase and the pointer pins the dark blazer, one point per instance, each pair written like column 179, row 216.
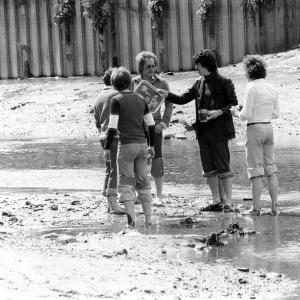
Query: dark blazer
column 223, row 92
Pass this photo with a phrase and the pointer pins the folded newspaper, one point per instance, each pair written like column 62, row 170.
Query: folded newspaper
column 149, row 92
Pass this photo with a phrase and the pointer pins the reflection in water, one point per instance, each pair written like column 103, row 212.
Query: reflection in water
column 274, row 248
column 182, row 159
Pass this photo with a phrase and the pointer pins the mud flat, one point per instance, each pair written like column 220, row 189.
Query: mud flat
column 48, row 253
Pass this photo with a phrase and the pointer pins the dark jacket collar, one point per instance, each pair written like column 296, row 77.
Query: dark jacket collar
column 211, row 76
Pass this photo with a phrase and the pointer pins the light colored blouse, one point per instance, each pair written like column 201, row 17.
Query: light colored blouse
column 261, row 102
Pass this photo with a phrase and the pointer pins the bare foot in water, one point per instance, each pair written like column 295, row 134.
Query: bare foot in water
column 275, row 212
column 252, row 212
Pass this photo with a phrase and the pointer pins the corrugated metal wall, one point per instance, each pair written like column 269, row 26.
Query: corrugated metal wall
column 31, row 45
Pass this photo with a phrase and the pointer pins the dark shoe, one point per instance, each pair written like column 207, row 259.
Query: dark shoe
column 228, row 208
column 213, row 207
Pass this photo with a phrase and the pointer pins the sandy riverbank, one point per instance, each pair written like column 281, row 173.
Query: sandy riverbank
column 62, row 108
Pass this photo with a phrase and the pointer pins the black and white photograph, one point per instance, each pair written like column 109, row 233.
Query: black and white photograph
column 150, row 149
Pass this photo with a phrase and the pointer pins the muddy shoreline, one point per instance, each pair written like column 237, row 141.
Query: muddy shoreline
column 94, row 265
column 45, row 257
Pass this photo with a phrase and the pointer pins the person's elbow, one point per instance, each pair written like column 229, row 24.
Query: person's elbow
column 243, row 117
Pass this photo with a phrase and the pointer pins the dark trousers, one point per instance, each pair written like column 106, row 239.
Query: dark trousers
column 215, row 156
column 110, row 179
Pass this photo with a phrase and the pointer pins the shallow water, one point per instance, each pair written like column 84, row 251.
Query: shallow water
column 182, row 160
column 275, row 247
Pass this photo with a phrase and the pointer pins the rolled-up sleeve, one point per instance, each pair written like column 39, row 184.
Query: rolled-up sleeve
column 168, row 108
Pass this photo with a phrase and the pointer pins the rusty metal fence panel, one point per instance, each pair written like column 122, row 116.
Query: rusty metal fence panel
column 32, row 46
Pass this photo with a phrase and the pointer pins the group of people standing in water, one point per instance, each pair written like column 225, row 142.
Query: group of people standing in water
column 130, row 133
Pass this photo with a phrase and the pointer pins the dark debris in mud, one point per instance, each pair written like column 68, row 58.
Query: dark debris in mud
column 214, row 238
column 235, row 228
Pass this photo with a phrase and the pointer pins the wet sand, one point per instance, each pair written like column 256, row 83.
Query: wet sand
column 57, row 245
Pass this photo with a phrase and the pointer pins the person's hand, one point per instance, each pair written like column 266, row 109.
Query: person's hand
column 163, row 93
column 234, row 111
column 158, row 128
column 212, row 114
column 151, row 152
column 106, row 154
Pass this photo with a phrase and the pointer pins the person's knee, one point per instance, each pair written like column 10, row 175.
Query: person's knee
column 111, row 191
column 143, row 188
column 123, row 180
column 270, row 170
column 157, row 169
column 143, row 184
column 127, row 192
column 212, row 173
column 144, row 195
column 255, row 172
column 225, row 175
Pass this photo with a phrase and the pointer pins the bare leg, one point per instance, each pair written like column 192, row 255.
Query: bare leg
column 109, row 208
column 130, row 211
column 221, row 190
column 273, row 191
column 159, row 187
column 227, row 185
column 113, row 206
column 214, row 187
column 256, row 184
column 147, row 208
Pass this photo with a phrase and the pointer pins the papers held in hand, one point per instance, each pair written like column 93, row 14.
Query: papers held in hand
column 149, row 92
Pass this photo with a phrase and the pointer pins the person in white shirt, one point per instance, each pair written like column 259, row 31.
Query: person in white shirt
column 259, row 108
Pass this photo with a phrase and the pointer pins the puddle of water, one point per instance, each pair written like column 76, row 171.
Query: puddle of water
column 276, row 247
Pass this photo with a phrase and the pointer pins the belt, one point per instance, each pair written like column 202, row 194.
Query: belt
column 250, row 124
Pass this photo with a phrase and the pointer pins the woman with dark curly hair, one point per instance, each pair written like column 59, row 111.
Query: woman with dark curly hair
column 259, row 108
column 214, row 95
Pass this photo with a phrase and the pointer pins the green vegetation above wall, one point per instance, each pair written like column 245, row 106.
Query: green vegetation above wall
column 157, row 10
column 205, row 8
column 99, row 11
column 256, row 6
column 63, row 11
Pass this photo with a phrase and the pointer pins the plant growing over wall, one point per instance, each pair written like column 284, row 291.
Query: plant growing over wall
column 205, row 8
column 255, row 6
column 21, row 2
column 99, row 11
column 63, row 11
column 157, row 10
